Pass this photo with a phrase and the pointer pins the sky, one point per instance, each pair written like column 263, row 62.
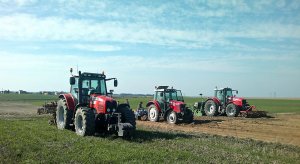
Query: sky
column 192, row 45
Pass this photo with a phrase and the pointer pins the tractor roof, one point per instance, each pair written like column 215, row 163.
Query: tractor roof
column 91, row 75
column 164, row 88
column 221, row 89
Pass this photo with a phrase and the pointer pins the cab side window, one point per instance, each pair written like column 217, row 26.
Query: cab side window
column 74, row 89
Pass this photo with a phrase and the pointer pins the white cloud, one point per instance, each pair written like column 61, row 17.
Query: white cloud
column 96, row 48
column 28, row 27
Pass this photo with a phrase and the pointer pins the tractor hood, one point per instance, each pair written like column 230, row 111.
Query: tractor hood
column 103, row 104
column 237, row 100
column 177, row 106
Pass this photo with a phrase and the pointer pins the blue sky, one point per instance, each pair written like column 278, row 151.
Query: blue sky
column 193, row 45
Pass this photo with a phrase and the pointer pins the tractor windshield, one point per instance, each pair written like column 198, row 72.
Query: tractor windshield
column 229, row 93
column 90, row 86
column 174, row 95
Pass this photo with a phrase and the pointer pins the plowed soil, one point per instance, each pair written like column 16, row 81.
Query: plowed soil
column 282, row 128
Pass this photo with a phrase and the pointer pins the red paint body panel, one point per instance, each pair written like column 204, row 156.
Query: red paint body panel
column 237, row 101
column 216, row 100
column 70, row 100
column 175, row 105
column 98, row 102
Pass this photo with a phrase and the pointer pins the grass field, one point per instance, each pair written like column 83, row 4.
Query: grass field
column 32, row 140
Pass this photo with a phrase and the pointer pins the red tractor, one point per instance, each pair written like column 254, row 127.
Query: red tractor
column 225, row 103
column 168, row 104
column 89, row 109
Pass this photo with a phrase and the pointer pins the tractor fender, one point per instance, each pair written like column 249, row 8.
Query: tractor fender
column 216, row 100
column 69, row 100
column 155, row 103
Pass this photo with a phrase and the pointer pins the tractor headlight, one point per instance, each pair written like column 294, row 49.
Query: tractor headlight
column 114, row 110
column 108, row 110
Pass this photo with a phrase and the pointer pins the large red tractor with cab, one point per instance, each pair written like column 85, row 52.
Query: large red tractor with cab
column 89, row 108
column 225, row 103
column 168, row 103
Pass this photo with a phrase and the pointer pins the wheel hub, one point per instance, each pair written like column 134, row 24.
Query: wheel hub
column 152, row 113
column 61, row 116
column 79, row 124
column 211, row 109
column 172, row 117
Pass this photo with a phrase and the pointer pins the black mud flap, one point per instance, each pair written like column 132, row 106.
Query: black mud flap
column 124, row 129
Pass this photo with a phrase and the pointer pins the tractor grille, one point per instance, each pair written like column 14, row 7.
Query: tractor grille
column 111, row 105
column 244, row 102
column 182, row 107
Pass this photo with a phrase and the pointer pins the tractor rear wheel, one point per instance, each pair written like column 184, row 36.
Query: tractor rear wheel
column 127, row 116
column 232, row 110
column 172, row 117
column 188, row 116
column 63, row 115
column 85, row 122
column 153, row 114
column 211, row 108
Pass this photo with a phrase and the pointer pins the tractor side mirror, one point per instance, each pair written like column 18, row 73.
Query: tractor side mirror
column 115, row 82
column 72, row 80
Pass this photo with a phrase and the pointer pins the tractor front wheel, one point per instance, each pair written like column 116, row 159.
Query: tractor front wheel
column 153, row 114
column 172, row 117
column 188, row 116
column 232, row 110
column 210, row 108
column 127, row 116
column 85, row 122
column 63, row 115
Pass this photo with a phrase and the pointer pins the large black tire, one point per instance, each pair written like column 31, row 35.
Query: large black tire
column 188, row 116
column 127, row 116
column 63, row 115
column 172, row 117
column 211, row 108
column 153, row 114
column 85, row 121
column 232, row 110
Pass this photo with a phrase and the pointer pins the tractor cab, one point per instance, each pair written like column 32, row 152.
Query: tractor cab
column 224, row 95
column 86, row 84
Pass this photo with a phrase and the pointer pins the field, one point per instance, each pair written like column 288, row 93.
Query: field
column 27, row 138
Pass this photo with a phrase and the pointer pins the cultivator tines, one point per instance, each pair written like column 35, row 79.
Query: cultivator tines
column 254, row 114
column 48, row 108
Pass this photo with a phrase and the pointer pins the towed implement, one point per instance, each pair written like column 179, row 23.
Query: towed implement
column 225, row 103
column 48, row 108
column 89, row 108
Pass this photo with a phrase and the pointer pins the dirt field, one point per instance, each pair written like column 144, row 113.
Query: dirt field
column 283, row 128
column 16, row 108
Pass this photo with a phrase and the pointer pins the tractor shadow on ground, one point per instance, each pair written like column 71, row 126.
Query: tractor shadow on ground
column 146, row 136
column 197, row 122
column 141, row 136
